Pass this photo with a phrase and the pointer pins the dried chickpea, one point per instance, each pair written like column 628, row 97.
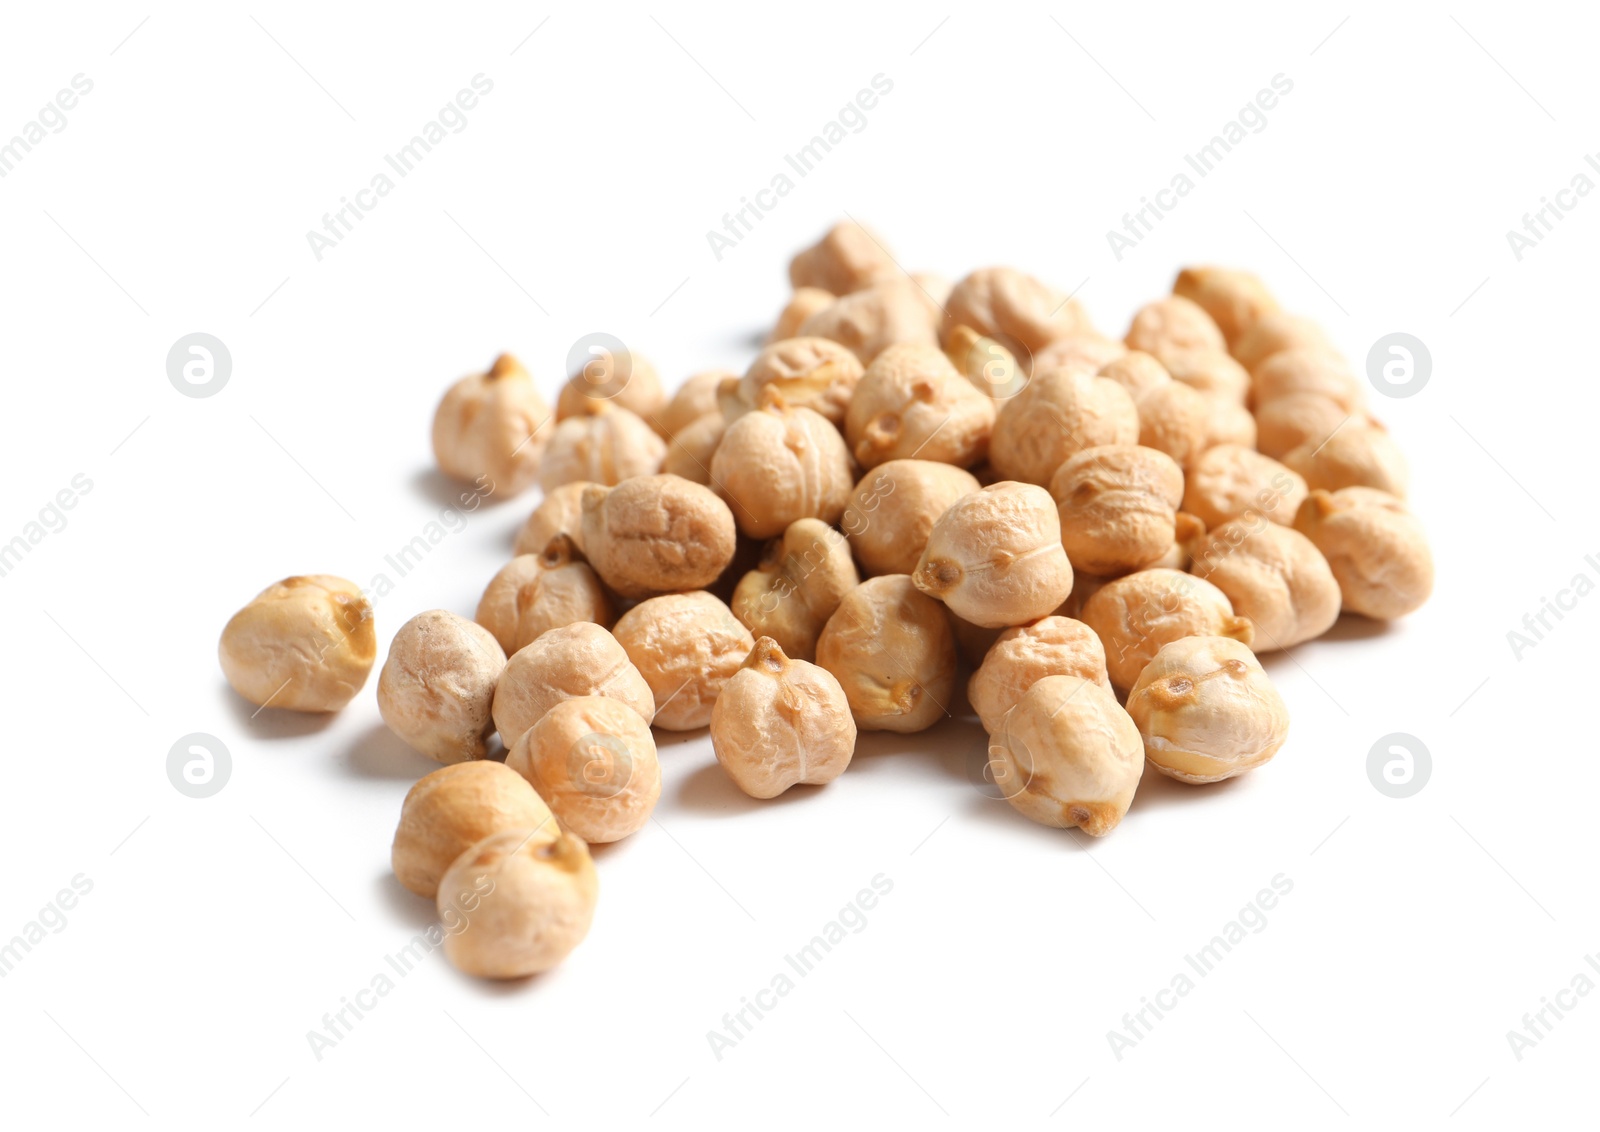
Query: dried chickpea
column 1068, row 755
column 581, row 659
column 1175, row 419
column 1285, row 423
column 1207, row 710
column 992, row 369
column 694, row 399
column 691, row 450
column 1173, row 324
column 455, row 807
column 1135, row 615
column 1017, row 310
column 1058, row 415
column 874, row 318
column 1235, row 300
column 437, row 686
column 801, row 580
column 1022, row 656
column 1306, row 369
column 1211, row 372
column 811, row 372
column 893, row 510
column 1274, row 332
column 1361, row 454
column 936, row 287
column 805, row 302
column 912, row 402
column 513, row 905
column 303, row 644
column 846, row 259
column 625, row 379
column 1089, row 350
column 779, row 464
column 995, row 556
column 656, row 534
column 593, row 761
column 559, row 513
column 1375, row 547
column 534, row 593
column 781, row 721
column 1229, row 423
column 603, row 443
column 493, row 425
column 1137, row 372
column 1118, row 507
column 1274, row 576
column 686, row 646
column 1229, row 481
column 892, row 650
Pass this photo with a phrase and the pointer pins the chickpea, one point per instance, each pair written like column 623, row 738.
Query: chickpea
column 513, row 905
column 1137, row 372
column 779, row 464
column 437, row 686
column 1375, row 547
column 848, row 258
column 576, row 660
column 493, row 425
column 892, row 650
column 1276, row 331
column 912, row 402
column 1361, row 454
column 1306, row 370
column 1175, row 419
column 992, row 369
column 686, row 646
column 811, row 372
column 1068, row 755
column 455, row 807
column 1208, row 371
column 626, row 379
column 1118, row 507
column 1235, row 300
column 781, row 721
column 657, row 534
column 874, row 318
column 694, row 399
column 690, row 452
column 1285, row 423
column 303, row 644
column 801, row 580
column 805, row 302
column 1089, row 350
column 1229, row 481
column 559, row 513
column 603, row 443
column 936, row 287
column 1229, row 423
column 593, row 760
column 1022, row 656
column 1017, row 310
column 1207, row 710
column 995, row 556
column 894, row 508
column 1274, row 576
column 1173, row 324
column 534, row 593
column 1137, row 614
column 1058, row 415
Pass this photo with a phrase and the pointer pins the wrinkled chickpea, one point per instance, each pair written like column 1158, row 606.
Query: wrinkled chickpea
column 780, row 722
column 303, row 644
column 1058, row 415
column 581, row 659
column 1274, row 576
column 995, row 556
column 1175, row 419
column 603, row 443
column 778, row 464
column 846, row 259
column 691, row 450
column 1235, row 300
column 593, row 761
column 992, row 369
column 894, row 508
column 1207, row 710
column 1306, row 370
column 1211, row 372
column 1137, row 372
column 1021, row 313
column 1374, row 545
column 1285, row 423
column 801, row 580
column 1022, row 656
column 534, row 593
column 1173, row 325
column 559, row 513
column 913, row 403
column 455, row 807
column 1089, row 351
column 874, row 318
column 892, row 650
column 805, row 302
column 1274, row 332
column 1361, row 454
column 493, row 426
column 694, row 399
column 1229, row 481
column 656, row 534
column 686, row 646
column 437, row 686
column 1135, row 615
column 1229, row 423
column 626, row 379
column 1118, row 507
column 811, row 372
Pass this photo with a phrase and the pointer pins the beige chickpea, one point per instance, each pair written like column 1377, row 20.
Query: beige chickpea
column 780, row 722
column 1306, row 370
column 1274, row 576
column 993, row 370
column 559, row 513
column 576, row 660
column 686, row 646
column 603, row 443
column 513, row 905
column 1361, row 454
column 1235, row 300
column 691, row 450
column 1229, row 422
column 437, row 686
column 874, row 318
column 892, row 650
column 1211, row 372
column 534, row 593
column 805, row 302
column 491, row 428
column 657, row 534
column 1207, row 710
column 1067, row 755
column 801, row 580
column 694, row 399
column 1175, row 419
column 913, row 403
column 1374, row 545
column 1118, row 507
column 1058, row 415
column 812, row 372
column 625, row 379
column 1089, row 350
column 779, row 464
column 894, row 508
column 1023, row 314
column 455, row 807
column 1137, row 372
column 846, row 259
column 995, row 556
column 1285, row 423
column 1173, row 324
column 1022, row 656
column 1274, row 332
column 593, row 761
column 303, row 644
column 1136, row 614
column 936, row 287
column 1229, row 481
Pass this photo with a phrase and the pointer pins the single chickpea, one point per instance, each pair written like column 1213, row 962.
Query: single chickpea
column 892, row 650
column 1058, row 415
column 437, row 686
column 581, row 659
column 593, row 761
column 992, row 369
column 805, row 302
column 603, row 443
column 1274, row 576
column 1175, row 419
column 303, row 644
column 801, row 580
column 874, row 318
column 1137, row 372
column 912, row 402
column 534, row 593
column 894, row 508
column 513, row 905
column 625, row 379
column 1089, row 350
column 1211, row 372
column 995, row 556
column 1306, row 370
column 686, row 646
column 691, row 450
column 1229, row 422
column 559, row 513
column 811, row 372
column 1118, row 507
column 657, row 534
column 455, row 807
column 779, row 464
column 1173, row 324
column 1135, row 615
column 694, row 399
column 1375, row 546
column 1067, row 755
column 1025, row 654
column 493, row 426
column 1017, row 310
column 846, row 259
column 1229, row 481
column 1361, row 454
column 1285, row 423
column 1235, row 300
column 780, row 722
column 1274, row 332
column 1207, row 710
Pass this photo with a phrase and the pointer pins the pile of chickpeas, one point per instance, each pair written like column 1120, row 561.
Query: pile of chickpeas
column 912, row 481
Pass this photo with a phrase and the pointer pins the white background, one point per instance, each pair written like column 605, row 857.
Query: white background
column 218, row 932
